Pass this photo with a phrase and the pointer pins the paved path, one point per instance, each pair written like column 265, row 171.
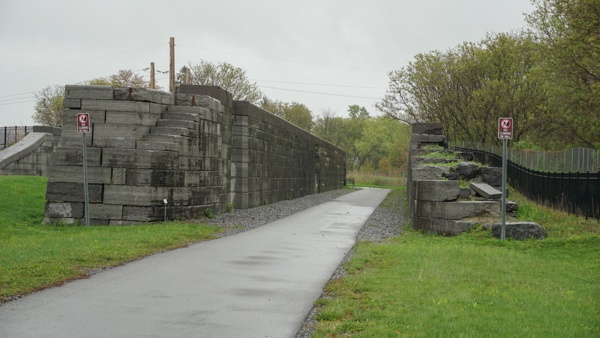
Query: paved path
column 259, row 283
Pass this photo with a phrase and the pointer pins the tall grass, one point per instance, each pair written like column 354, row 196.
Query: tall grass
column 35, row 256
column 378, row 178
column 471, row 285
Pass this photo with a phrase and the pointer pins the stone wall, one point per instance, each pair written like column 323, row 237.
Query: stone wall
column 437, row 203
column 197, row 148
column 31, row 155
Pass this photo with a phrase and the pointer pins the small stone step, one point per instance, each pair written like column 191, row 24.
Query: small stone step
column 486, row 191
column 181, row 117
column 166, row 131
column 155, row 145
column 177, row 124
column 166, row 138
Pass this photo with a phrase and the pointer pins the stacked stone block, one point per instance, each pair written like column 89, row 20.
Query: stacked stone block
column 434, row 201
column 31, row 156
column 145, row 146
column 198, row 149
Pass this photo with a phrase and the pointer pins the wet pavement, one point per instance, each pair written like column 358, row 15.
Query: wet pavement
column 259, row 283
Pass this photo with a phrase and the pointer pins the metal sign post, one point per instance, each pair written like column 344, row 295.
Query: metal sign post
column 83, row 127
column 505, row 132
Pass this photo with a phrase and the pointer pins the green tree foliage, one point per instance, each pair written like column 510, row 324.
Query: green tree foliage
column 224, row 75
column 369, row 142
column 470, row 86
column 48, row 106
column 294, row 112
column 123, row 78
column 570, row 33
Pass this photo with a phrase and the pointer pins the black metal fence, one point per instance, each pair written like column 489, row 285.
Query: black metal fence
column 576, row 193
column 12, row 135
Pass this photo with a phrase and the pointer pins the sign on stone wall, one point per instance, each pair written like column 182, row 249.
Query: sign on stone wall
column 83, row 123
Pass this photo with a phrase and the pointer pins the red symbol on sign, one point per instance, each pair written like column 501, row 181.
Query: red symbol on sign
column 505, row 128
column 83, row 123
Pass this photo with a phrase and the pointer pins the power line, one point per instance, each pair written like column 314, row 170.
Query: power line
column 78, row 61
column 320, row 93
column 320, row 84
column 284, row 60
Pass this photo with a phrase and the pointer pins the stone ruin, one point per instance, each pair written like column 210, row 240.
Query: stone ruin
column 198, row 149
column 438, row 203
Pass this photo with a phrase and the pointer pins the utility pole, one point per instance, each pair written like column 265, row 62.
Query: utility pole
column 188, row 76
column 172, row 66
column 152, row 77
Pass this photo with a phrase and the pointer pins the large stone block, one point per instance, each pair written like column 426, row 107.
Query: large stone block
column 99, row 175
column 134, row 195
column 72, row 192
column 427, row 128
column 436, row 190
column 426, row 138
column 64, row 210
column 486, row 191
column 74, row 156
column 429, row 172
column 442, row 226
column 130, row 118
column 111, row 105
column 143, row 94
column 89, row 92
column 105, row 211
column 518, row 230
column 492, row 176
column 456, row 210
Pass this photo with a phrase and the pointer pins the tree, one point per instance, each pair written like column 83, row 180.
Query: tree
column 570, row 32
column 123, row 78
column 224, row 75
column 294, row 112
column 469, row 87
column 48, row 106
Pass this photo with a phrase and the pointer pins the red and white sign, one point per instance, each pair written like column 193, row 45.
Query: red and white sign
column 505, row 128
column 83, row 123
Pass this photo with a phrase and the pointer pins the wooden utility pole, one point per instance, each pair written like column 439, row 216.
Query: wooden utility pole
column 152, row 77
column 172, row 66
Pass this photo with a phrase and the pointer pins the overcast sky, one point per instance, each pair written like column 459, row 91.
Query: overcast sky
column 326, row 54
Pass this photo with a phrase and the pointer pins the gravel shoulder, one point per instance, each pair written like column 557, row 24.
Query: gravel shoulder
column 387, row 221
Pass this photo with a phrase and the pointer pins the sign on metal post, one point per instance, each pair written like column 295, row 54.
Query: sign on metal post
column 83, row 127
column 505, row 128
column 505, row 133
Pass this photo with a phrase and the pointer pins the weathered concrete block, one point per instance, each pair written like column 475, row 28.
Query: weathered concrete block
column 64, row 210
column 429, row 172
column 442, row 226
column 518, row 230
column 133, row 195
column 131, row 118
column 143, row 94
column 426, row 138
column 119, row 176
column 72, row 103
column 125, row 106
column 492, row 176
column 486, row 191
column 95, row 175
column 456, row 210
column 467, row 170
column 89, row 92
column 72, row 192
column 139, row 158
column 105, row 211
column 436, row 190
column 74, row 156
column 427, row 128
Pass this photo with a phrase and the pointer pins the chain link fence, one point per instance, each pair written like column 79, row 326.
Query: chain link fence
column 575, row 160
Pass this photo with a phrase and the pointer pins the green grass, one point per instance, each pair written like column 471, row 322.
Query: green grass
column 378, row 180
column 35, row 256
column 471, row 285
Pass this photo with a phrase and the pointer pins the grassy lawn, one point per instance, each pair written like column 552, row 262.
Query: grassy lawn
column 472, row 285
column 35, row 256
